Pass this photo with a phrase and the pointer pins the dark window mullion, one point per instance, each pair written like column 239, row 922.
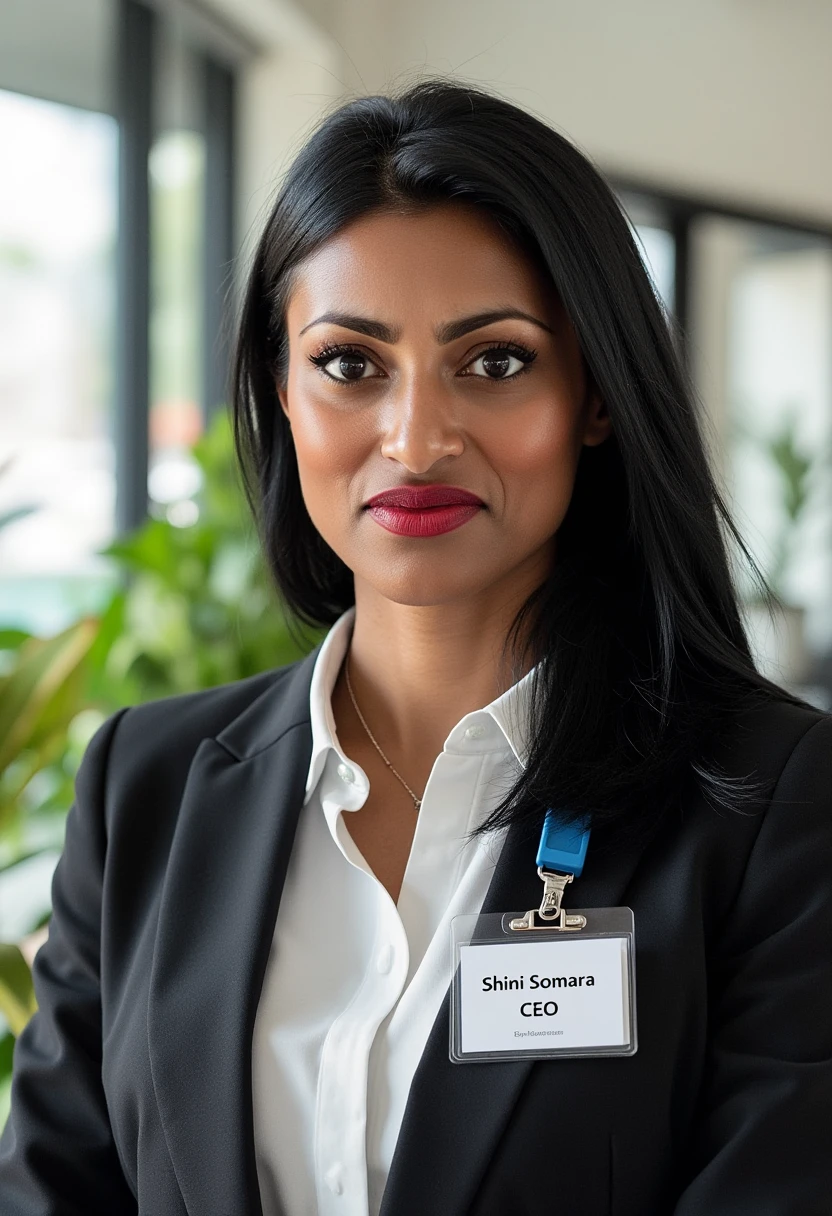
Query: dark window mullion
column 681, row 219
column 218, row 240
column 134, row 75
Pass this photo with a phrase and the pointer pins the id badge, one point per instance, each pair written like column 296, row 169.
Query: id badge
column 526, row 990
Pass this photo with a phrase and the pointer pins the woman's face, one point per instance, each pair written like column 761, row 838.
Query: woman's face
column 400, row 374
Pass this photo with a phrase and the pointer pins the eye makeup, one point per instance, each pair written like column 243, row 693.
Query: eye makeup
column 329, row 353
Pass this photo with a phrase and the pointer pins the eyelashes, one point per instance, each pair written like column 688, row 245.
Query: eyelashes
column 327, row 354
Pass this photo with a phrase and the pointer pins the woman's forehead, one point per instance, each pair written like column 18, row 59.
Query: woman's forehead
column 444, row 263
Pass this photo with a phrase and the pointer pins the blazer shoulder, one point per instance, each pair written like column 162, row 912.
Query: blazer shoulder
column 773, row 756
column 774, row 734
column 806, row 774
column 779, row 757
column 207, row 711
column 153, row 744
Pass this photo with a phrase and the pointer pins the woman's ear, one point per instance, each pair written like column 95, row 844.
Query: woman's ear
column 598, row 424
column 282, row 398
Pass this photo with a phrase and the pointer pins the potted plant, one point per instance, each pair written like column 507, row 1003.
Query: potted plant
column 776, row 623
column 195, row 608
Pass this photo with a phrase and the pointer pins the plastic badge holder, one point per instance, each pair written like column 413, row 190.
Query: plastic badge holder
column 547, row 993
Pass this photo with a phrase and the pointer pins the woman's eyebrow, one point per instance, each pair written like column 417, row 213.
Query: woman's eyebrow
column 448, row 331
column 451, row 330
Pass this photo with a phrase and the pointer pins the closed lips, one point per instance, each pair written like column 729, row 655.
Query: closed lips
column 419, row 498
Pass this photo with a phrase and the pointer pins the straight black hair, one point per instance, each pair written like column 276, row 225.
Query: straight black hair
column 642, row 659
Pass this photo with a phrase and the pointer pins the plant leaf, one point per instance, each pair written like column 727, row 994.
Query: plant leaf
column 7, row 518
column 42, row 667
column 17, row 992
column 10, row 639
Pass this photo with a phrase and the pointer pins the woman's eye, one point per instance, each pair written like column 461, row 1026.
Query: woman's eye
column 499, row 363
column 347, row 366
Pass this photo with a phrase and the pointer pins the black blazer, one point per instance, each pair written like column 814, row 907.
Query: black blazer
column 132, row 1086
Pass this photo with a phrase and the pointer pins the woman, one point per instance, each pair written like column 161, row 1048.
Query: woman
column 474, row 454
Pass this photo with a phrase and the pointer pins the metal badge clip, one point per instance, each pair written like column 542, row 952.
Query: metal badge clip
column 551, row 910
column 554, row 886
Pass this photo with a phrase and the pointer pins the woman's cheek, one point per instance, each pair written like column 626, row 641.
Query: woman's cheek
column 537, row 466
column 323, row 436
column 327, row 466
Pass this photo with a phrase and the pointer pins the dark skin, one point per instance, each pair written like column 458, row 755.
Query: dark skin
column 431, row 612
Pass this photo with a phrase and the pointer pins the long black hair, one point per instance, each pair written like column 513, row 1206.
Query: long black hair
column 641, row 654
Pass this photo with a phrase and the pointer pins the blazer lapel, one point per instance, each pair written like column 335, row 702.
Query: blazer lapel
column 218, row 906
column 456, row 1113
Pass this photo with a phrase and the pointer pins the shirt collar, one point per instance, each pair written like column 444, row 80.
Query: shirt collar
column 499, row 726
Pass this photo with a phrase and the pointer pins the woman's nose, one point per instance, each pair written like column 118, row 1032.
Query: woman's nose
column 420, row 425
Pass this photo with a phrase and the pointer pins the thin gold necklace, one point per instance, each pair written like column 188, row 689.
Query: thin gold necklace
column 417, row 802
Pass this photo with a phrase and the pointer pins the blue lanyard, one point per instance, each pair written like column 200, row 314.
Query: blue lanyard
column 562, row 846
column 560, row 858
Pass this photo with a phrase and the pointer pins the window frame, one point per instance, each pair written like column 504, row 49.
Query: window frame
column 136, row 54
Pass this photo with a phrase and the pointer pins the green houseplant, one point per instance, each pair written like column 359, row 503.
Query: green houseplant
column 776, row 623
column 794, row 467
column 195, row 608
column 40, row 695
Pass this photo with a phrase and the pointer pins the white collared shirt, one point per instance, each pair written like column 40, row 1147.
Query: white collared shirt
column 354, row 980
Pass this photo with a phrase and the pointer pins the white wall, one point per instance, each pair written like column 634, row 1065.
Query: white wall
column 59, row 49
column 284, row 89
column 725, row 97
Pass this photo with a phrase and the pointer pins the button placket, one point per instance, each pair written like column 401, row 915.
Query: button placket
column 335, row 1179
column 357, row 1081
column 340, row 1126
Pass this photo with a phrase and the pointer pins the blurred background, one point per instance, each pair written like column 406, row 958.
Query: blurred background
column 141, row 142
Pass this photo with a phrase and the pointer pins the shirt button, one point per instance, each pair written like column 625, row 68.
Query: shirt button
column 346, row 773
column 385, row 960
column 334, row 1180
column 474, row 732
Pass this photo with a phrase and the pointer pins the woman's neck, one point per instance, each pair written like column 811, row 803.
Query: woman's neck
column 417, row 670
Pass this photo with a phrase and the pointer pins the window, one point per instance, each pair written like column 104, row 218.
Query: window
column 57, row 246
column 177, row 163
column 116, row 241
column 764, row 299
column 753, row 295
column 654, row 237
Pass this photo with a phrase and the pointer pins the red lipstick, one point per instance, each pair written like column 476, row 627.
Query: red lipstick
column 423, row 510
